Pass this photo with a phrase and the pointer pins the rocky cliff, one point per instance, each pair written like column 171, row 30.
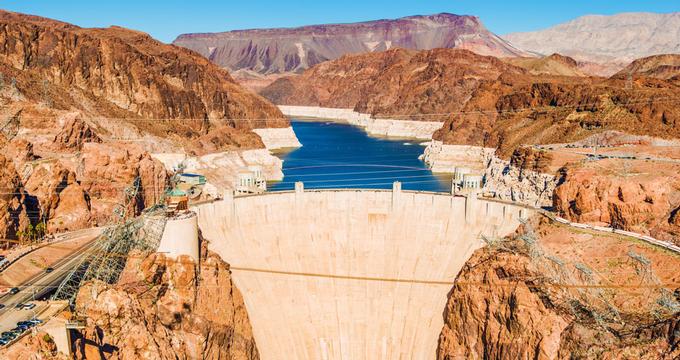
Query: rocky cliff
column 395, row 83
column 482, row 100
column 541, row 110
column 81, row 108
column 116, row 72
column 614, row 40
column 516, row 300
column 296, row 49
column 163, row 308
column 639, row 197
column 13, row 211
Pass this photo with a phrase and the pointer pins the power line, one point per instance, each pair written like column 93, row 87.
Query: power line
column 669, row 100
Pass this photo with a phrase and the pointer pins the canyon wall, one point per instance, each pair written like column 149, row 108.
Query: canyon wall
column 549, row 292
column 163, row 308
column 349, row 274
column 82, row 108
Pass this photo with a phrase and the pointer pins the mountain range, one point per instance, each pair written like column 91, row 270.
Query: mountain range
column 294, row 49
column 613, row 40
column 601, row 45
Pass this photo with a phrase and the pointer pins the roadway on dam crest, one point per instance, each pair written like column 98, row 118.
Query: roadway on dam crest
column 349, row 274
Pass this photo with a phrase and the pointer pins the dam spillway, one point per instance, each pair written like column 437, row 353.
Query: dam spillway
column 349, row 274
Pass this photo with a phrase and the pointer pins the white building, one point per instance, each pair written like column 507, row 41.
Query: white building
column 251, row 181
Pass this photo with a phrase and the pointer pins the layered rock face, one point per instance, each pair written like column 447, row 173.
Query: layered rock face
column 123, row 73
column 665, row 67
column 483, row 101
column 293, row 50
column 393, row 84
column 510, row 302
column 166, row 308
column 612, row 40
column 517, row 110
column 107, row 170
column 80, row 110
column 643, row 200
column 13, row 215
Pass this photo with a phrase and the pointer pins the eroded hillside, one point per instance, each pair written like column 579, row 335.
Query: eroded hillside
column 484, row 101
column 80, row 110
column 551, row 292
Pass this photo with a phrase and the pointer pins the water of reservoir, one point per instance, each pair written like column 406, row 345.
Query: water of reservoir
column 338, row 155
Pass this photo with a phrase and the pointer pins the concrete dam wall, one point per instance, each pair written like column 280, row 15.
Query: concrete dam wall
column 349, row 274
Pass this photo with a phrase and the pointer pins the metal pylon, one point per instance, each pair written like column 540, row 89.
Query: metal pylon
column 107, row 259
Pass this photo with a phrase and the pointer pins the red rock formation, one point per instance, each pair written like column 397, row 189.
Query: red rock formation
column 62, row 87
column 554, row 64
column 13, row 215
column 482, row 100
column 107, row 170
column 39, row 346
column 506, row 304
column 666, row 67
column 527, row 158
column 392, row 82
column 166, row 309
column 21, row 151
column 126, row 74
column 640, row 202
column 60, row 199
column 74, row 134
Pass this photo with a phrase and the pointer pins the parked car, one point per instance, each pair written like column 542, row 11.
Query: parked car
column 22, row 327
column 8, row 335
column 19, row 306
column 2, row 306
column 35, row 321
column 49, row 270
column 4, row 342
column 14, row 290
column 28, row 306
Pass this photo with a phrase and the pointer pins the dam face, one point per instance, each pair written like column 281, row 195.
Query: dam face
column 349, row 274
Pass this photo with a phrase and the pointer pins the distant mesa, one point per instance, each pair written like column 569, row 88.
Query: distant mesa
column 282, row 50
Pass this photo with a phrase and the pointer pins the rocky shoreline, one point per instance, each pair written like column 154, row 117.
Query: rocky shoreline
column 278, row 138
column 422, row 130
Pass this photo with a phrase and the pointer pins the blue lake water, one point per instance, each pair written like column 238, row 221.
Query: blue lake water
column 337, row 155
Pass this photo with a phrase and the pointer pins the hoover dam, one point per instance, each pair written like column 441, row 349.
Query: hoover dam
column 349, row 274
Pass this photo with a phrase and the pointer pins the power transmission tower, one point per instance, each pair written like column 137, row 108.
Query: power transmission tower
column 107, row 259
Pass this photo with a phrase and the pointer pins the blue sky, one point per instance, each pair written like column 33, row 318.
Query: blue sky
column 165, row 20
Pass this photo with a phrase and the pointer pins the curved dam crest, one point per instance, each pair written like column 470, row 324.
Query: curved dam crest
column 349, row 274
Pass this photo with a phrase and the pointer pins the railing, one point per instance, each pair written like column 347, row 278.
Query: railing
column 646, row 238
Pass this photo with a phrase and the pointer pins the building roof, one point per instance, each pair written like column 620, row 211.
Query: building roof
column 176, row 192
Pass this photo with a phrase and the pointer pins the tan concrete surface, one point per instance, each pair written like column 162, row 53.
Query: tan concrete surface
column 349, row 274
